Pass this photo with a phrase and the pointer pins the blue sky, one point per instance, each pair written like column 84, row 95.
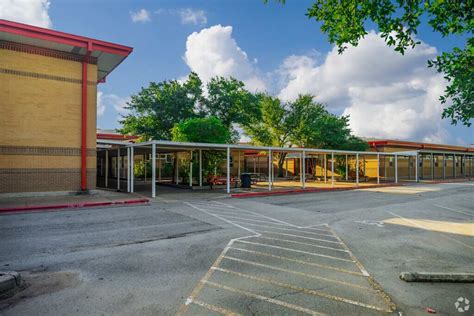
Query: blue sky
column 271, row 47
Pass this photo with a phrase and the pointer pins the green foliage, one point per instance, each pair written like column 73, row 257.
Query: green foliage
column 201, row 129
column 230, row 101
column 155, row 110
column 398, row 20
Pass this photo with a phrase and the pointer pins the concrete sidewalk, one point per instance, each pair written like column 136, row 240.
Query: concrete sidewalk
column 96, row 198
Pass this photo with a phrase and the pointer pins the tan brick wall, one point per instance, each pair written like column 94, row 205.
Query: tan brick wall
column 41, row 106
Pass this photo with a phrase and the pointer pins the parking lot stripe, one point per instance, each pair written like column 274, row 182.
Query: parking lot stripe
column 303, row 290
column 251, row 219
column 303, row 243
column 453, row 210
column 298, row 236
column 259, row 253
column 294, row 250
column 216, row 309
column 265, row 298
column 297, row 273
column 288, row 229
column 221, row 212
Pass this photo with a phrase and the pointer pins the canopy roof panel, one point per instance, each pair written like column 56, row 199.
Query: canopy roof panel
column 109, row 55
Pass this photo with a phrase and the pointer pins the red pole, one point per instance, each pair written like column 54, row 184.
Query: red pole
column 85, row 62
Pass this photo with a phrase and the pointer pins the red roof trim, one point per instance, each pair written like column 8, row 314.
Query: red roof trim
column 62, row 38
column 416, row 145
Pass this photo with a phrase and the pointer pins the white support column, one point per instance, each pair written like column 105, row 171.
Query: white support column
column 378, row 168
column 132, row 169
column 357, row 169
column 432, row 166
column 238, row 167
column 177, row 167
column 191, row 169
column 347, row 168
column 200, row 167
column 153, row 170
column 325, row 168
column 273, row 170
column 145, row 165
column 444, row 166
column 396, row 168
column 106, row 168
column 128, row 169
column 303, row 160
column 454, row 165
column 269, row 170
column 228, row 170
column 416, row 167
column 463, row 166
column 332, row 169
column 118, row 169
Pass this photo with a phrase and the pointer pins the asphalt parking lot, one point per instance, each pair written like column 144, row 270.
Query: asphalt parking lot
column 334, row 253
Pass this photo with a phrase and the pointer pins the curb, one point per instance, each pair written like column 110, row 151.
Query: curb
column 10, row 281
column 312, row 190
column 437, row 277
column 71, row 205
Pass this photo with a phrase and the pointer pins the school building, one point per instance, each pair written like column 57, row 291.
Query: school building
column 48, row 95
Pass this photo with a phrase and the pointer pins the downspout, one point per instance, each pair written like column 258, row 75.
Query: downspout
column 85, row 63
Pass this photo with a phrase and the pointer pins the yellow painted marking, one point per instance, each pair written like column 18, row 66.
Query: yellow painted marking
column 265, row 298
column 298, row 273
column 294, row 250
column 298, row 261
column 216, row 309
column 302, row 243
column 465, row 229
column 298, row 236
column 304, row 290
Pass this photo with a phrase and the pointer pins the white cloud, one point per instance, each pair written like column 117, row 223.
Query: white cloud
column 141, row 15
column 387, row 95
column 34, row 12
column 191, row 16
column 213, row 52
column 111, row 101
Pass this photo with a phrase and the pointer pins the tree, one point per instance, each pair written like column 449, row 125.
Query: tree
column 204, row 130
column 157, row 108
column 345, row 23
column 230, row 101
column 302, row 123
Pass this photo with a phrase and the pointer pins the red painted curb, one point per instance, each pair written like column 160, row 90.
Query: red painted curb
column 71, row 205
column 312, row 190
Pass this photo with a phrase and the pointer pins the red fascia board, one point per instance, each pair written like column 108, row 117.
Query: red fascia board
column 115, row 136
column 406, row 144
column 62, row 38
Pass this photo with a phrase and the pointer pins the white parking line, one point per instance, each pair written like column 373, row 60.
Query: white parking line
column 304, row 290
column 251, row 219
column 453, row 210
column 294, row 250
column 259, row 253
column 265, row 298
column 312, row 276
column 215, row 308
column 298, row 236
column 303, row 243
column 288, row 229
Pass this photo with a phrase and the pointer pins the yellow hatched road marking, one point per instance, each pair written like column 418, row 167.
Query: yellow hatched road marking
column 299, row 261
column 304, row 290
column 298, row 273
column 265, row 298
column 294, row 250
column 215, row 308
column 302, row 243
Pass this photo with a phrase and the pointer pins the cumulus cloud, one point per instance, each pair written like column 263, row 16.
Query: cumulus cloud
column 34, row 12
column 387, row 95
column 141, row 15
column 214, row 52
column 111, row 101
column 192, row 16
